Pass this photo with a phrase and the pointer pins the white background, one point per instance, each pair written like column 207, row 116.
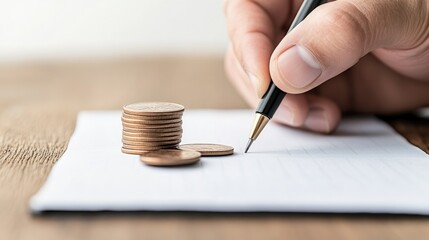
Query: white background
column 31, row 29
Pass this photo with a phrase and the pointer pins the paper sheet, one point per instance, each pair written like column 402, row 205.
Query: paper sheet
column 364, row 167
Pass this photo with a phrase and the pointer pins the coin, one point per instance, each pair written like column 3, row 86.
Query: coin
column 153, row 130
column 207, row 149
column 151, row 134
column 150, row 121
column 135, row 152
column 153, row 117
column 151, row 126
column 153, row 108
column 148, row 148
column 170, row 157
column 151, row 139
column 151, row 143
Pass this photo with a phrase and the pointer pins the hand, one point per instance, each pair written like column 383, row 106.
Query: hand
column 369, row 56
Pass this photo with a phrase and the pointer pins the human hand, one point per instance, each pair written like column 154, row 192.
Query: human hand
column 369, row 56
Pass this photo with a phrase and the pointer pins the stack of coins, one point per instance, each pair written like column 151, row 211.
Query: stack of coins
column 154, row 131
column 151, row 126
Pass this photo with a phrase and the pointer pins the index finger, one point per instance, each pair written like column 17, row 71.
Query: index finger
column 253, row 29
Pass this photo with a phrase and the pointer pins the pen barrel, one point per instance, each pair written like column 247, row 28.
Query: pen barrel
column 270, row 101
column 274, row 96
column 306, row 8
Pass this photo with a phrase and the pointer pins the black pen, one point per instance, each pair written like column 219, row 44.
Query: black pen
column 274, row 96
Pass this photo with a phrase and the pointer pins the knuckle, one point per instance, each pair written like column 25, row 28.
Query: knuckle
column 355, row 24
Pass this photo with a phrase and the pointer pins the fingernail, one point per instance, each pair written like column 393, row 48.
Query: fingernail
column 298, row 67
column 316, row 120
column 285, row 115
column 255, row 82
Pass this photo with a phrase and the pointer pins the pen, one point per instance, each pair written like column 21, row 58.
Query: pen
column 274, row 96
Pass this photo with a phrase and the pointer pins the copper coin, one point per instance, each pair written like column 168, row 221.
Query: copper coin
column 153, row 117
column 151, row 134
column 208, row 149
column 135, row 152
column 152, row 130
column 153, row 108
column 151, row 121
column 170, row 157
column 152, row 126
column 151, row 143
column 151, row 139
column 148, row 148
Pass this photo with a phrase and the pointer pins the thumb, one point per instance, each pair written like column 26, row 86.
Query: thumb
column 337, row 34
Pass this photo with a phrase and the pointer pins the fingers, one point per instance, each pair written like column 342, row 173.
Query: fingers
column 309, row 112
column 304, row 110
column 238, row 78
column 372, row 87
column 336, row 35
column 253, row 30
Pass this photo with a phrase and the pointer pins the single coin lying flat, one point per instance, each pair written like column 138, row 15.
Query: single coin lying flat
column 151, row 139
column 151, row 134
column 170, row 157
column 158, row 117
column 175, row 130
column 153, row 108
column 150, row 121
column 140, row 152
column 149, row 148
column 151, row 143
column 151, row 126
column 134, row 152
column 208, row 149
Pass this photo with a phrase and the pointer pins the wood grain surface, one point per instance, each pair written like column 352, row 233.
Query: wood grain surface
column 38, row 106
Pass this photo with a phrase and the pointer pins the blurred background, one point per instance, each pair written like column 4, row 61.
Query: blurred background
column 116, row 50
column 58, row 29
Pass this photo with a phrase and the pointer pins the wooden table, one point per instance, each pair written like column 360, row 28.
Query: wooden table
column 38, row 106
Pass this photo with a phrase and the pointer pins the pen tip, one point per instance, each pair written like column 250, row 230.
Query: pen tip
column 249, row 143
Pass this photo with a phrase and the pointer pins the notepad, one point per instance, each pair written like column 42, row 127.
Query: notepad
column 365, row 167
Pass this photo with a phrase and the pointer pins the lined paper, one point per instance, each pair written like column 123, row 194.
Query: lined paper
column 364, row 167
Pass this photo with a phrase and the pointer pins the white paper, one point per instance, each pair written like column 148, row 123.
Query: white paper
column 364, row 167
